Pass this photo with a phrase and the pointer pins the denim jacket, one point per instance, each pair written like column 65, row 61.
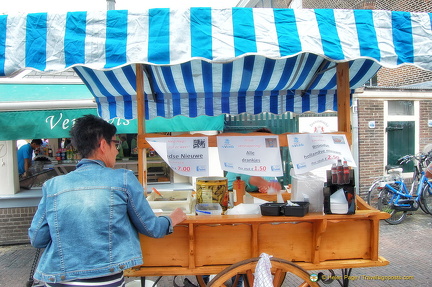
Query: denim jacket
column 88, row 222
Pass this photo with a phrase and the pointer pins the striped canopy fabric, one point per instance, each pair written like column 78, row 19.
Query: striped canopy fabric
column 204, row 61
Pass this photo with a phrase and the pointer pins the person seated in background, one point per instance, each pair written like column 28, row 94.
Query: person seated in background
column 25, row 155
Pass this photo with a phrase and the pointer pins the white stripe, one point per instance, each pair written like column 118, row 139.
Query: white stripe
column 95, row 39
column 265, row 31
column 197, row 75
column 383, row 29
column 15, row 43
column 137, row 41
column 309, row 34
column 347, row 32
column 422, row 39
column 55, row 56
column 223, row 35
column 178, row 78
column 180, row 43
column 237, row 75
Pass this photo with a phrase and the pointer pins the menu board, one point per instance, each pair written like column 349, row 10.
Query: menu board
column 251, row 155
column 187, row 156
column 312, row 151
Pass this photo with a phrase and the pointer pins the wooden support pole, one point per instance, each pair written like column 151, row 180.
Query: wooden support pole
column 343, row 100
column 142, row 158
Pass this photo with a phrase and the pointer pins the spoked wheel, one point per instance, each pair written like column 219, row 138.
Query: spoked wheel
column 373, row 196
column 426, row 199
column 280, row 269
column 385, row 203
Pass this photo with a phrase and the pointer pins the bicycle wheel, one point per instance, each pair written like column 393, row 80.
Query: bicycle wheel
column 426, row 199
column 280, row 268
column 385, row 203
column 373, row 195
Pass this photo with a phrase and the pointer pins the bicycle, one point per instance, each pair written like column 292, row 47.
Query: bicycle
column 390, row 194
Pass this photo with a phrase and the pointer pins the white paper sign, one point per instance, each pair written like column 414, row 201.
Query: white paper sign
column 255, row 155
column 311, row 151
column 187, row 156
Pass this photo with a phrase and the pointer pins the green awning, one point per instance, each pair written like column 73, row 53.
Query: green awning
column 57, row 123
column 28, row 119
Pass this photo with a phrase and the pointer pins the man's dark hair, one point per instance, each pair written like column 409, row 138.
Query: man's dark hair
column 87, row 132
column 36, row 141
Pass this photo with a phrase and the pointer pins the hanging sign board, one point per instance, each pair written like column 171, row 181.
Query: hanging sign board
column 255, row 155
column 312, row 151
column 187, row 156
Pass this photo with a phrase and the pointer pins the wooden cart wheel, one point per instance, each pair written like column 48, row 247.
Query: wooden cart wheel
column 280, row 268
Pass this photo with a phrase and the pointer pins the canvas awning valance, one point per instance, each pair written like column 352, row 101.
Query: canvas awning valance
column 209, row 61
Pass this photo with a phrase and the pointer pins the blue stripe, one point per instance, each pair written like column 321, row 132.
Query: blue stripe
column 159, row 27
column 226, row 86
column 130, row 75
column 322, row 100
column 208, row 87
column 366, row 34
column 110, row 98
column 286, row 28
column 116, row 37
column 190, row 87
column 365, row 67
column 127, row 99
column 74, row 42
column 257, row 100
column 36, row 36
column 310, row 61
column 244, row 31
column 329, row 34
column 175, row 94
column 289, row 106
column 268, row 70
column 248, row 66
column 335, row 106
column 402, row 37
column 3, row 21
column 305, row 102
column 274, row 104
column 201, row 32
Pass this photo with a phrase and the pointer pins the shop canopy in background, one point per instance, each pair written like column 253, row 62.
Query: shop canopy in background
column 204, row 61
column 29, row 111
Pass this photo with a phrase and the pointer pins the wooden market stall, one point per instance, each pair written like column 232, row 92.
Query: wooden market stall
column 204, row 61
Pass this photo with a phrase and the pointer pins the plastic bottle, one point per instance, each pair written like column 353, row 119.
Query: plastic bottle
column 339, row 172
column 239, row 190
column 346, row 172
column 334, row 174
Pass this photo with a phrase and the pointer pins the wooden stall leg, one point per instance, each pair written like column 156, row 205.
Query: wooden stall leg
column 142, row 281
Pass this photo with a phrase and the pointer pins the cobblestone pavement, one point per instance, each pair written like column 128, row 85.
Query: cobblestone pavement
column 407, row 246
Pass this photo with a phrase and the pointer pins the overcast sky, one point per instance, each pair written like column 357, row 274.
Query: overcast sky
column 8, row 6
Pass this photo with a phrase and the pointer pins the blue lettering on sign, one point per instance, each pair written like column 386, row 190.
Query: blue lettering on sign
column 301, row 165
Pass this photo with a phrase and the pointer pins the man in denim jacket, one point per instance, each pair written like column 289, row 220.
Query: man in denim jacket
column 88, row 220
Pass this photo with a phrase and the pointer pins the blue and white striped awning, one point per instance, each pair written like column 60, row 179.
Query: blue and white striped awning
column 203, row 61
